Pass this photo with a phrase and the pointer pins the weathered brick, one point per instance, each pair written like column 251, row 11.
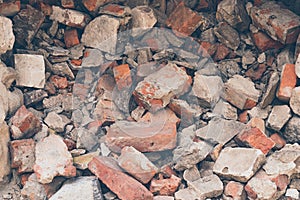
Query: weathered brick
column 288, row 82
column 279, row 141
column 263, row 42
column 22, row 155
column 280, row 23
column 10, row 8
column 184, row 20
column 165, row 186
column 122, row 76
column 235, row 190
column 24, row 124
column 156, row 135
column 126, row 187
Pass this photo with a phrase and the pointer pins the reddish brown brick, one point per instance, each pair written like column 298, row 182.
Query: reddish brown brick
column 122, row 76
column 221, row 53
column 22, row 155
column 59, row 82
column 126, row 187
column 255, row 138
column 263, row 42
column 93, row 5
column 288, row 82
column 71, row 38
column 184, row 20
column 24, row 124
column 280, row 23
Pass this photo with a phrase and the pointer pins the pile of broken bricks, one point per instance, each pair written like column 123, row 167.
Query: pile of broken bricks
column 149, row 99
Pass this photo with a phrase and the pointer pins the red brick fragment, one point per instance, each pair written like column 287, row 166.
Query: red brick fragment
column 71, row 38
column 122, row 76
column 126, row 187
column 59, row 82
column 184, row 20
column 255, row 138
column 221, row 53
column 235, row 190
column 288, row 82
column 22, row 155
column 263, row 42
column 24, row 124
column 167, row 186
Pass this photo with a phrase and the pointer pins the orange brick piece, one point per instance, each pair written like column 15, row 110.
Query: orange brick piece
column 126, row 187
column 184, row 20
column 122, row 76
column 71, row 38
column 287, row 82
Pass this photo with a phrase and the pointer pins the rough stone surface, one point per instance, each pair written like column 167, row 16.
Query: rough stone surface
column 291, row 132
column 30, row 70
column 92, row 58
column 184, row 20
column 26, row 24
column 137, row 164
column 234, row 13
column 142, row 18
column 225, row 110
column 52, row 159
column 287, row 82
column 207, row 187
column 4, row 152
column 280, row 23
column 57, row 122
column 208, row 89
column 69, row 17
column 295, row 100
column 108, row 171
column 227, row 35
column 6, row 35
column 241, row 92
column 242, row 167
column 220, row 130
column 189, row 152
column 24, row 124
column 34, row 190
column 156, row 90
column 270, row 92
column 284, row 161
column 84, row 188
column 186, row 194
column 278, row 117
column 156, row 135
column 101, row 38
column 22, row 155
column 10, row 8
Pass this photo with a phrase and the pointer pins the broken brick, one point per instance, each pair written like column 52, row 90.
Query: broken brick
column 122, row 76
column 263, row 42
column 108, row 171
column 184, row 20
column 288, row 82
column 24, row 124
column 59, row 82
column 22, row 155
column 165, row 186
